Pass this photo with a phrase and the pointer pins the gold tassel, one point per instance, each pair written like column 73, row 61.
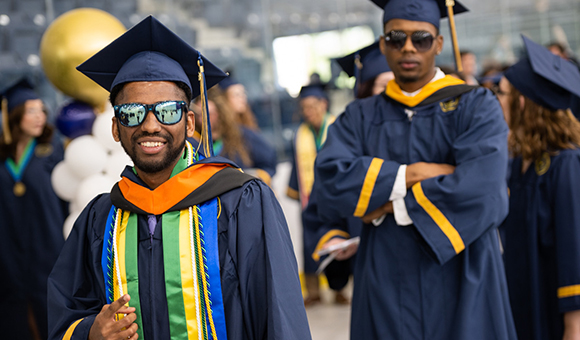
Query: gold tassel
column 5, row 127
column 205, row 140
column 450, row 4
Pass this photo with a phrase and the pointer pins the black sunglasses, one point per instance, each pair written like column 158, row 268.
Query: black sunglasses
column 422, row 40
column 133, row 114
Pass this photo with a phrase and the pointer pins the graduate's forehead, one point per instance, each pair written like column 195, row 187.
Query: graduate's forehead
column 409, row 26
column 149, row 92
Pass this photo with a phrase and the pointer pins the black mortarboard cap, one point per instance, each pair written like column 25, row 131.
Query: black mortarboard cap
column 313, row 91
column 545, row 78
column 149, row 51
column 18, row 93
column 364, row 64
column 229, row 81
column 431, row 11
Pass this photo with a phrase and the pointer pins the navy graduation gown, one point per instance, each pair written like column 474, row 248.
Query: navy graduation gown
column 263, row 155
column 259, row 278
column 442, row 277
column 32, row 237
column 542, row 244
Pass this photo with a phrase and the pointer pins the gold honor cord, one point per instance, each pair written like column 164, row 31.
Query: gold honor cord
column 457, row 55
column 5, row 127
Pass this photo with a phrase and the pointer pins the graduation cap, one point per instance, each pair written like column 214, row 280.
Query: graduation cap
column 430, row 11
column 545, row 78
column 364, row 64
column 229, row 81
column 13, row 95
column 313, row 91
column 149, row 51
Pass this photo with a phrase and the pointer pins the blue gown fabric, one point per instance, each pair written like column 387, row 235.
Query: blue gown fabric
column 416, row 282
column 258, row 270
column 32, row 237
column 542, row 244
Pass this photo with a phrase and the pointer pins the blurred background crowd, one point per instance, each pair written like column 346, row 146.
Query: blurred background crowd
column 275, row 52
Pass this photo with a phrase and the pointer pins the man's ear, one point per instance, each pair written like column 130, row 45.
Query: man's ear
column 522, row 102
column 115, row 130
column 383, row 45
column 440, row 41
column 190, row 120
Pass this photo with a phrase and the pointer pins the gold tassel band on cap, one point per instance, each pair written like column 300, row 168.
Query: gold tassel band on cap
column 5, row 127
column 450, row 4
column 205, row 142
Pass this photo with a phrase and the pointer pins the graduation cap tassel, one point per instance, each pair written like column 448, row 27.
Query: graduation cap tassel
column 357, row 69
column 5, row 127
column 450, row 4
column 206, row 140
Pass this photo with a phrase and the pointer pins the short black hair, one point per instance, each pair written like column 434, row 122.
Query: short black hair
column 117, row 89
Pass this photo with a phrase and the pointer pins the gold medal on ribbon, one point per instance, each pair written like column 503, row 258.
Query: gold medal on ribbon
column 19, row 189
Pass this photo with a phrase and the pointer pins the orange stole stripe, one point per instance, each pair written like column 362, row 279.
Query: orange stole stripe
column 171, row 192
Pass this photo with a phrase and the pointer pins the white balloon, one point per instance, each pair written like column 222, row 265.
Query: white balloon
column 84, row 156
column 69, row 223
column 91, row 187
column 102, row 130
column 64, row 182
column 116, row 163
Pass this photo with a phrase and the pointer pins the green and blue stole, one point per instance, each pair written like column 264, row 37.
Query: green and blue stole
column 191, row 264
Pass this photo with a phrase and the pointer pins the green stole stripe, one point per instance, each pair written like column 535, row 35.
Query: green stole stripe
column 131, row 268
column 172, row 267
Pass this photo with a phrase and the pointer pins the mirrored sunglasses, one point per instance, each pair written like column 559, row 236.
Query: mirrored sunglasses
column 133, row 114
column 422, row 40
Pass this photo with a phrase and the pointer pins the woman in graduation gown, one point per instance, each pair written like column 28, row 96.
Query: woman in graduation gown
column 240, row 144
column 32, row 215
column 542, row 230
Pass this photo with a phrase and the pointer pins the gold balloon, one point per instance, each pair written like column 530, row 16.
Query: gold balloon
column 71, row 39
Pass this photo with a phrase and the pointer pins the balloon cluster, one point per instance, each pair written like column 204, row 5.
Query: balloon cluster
column 91, row 166
column 92, row 163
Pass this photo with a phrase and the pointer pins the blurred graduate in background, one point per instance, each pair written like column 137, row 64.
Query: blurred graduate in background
column 244, row 146
column 236, row 97
column 542, row 231
column 308, row 140
column 31, row 214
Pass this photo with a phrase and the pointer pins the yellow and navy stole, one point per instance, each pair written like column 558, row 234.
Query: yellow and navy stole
column 308, row 143
column 190, row 247
column 440, row 89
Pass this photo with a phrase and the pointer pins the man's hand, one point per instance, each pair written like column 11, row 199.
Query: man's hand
column 420, row 171
column 386, row 208
column 106, row 327
column 342, row 254
column 572, row 325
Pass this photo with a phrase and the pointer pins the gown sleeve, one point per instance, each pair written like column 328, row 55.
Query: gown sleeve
column 75, row 290
column 266, row 266
column 317, row 233
column 566, row 217
column 450, row 212
column 350, row 182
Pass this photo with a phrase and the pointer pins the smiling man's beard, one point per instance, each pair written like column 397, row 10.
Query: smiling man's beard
column 151, row 167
